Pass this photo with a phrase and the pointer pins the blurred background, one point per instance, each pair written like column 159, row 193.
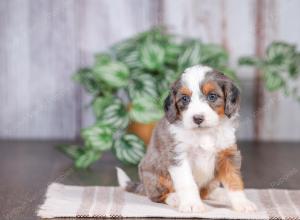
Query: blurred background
column 69, row 76
column 43, row 43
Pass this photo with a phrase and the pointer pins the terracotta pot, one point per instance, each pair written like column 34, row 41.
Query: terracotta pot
column 143, row 131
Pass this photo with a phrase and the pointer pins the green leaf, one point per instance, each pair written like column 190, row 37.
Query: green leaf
column 213, row 55
column 129, row 149
column 132, row 59
column 273, row 80
column 127, row 52
column 86, row 79
column 249, row 61
column 294, row 67
column 98, row 137
column 172, row 53
column 162, row 98
column 191, row 55
column 72, row 151
column 156, row 34
column 145, row 110
column 114, row 74
column 280, row 67
column 165, row 80
column 142, row 85
column 115, row 115
column 152, row 56
column 103, row 58
column 280, row 53
column 86, row 159
column 122, row 48
column 100, row 103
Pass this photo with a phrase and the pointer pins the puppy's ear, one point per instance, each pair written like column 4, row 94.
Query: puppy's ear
column 170, row 107
column 232, row 98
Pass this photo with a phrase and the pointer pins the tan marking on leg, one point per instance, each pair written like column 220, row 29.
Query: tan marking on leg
column 228, row 170
column 166, row 183
column 204, row 193
column 207, row 189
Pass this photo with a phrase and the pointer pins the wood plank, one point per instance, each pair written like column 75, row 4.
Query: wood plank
column 106, row 22
column 238, row 38
column 14, row 42
column 281, row 116
column 38, row 96
column 198, row 19
column 43, row 42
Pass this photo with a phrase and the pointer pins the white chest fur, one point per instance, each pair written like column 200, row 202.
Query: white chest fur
column 201, row 147
column 202, row 164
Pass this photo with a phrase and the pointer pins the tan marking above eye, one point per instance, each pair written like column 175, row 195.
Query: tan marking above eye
column 208, row 87
column 218, row 105
column 185, row 91
column 220, row 110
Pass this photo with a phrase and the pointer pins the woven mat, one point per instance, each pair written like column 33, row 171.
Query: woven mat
column 77, row 201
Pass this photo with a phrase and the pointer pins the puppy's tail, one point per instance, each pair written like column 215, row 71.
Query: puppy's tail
column 127, row 184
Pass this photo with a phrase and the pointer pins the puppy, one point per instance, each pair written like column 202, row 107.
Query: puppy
column 193, row 148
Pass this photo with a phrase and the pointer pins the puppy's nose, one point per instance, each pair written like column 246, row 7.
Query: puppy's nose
column 198, row 119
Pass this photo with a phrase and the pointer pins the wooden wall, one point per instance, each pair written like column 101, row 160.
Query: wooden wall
column 42, row 42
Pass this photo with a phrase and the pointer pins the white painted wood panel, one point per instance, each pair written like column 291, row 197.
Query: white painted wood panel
column 42, row 43
column 37, row 96
column 106, row 22
column 198, row 19
column 281, row 116
column 238, row 37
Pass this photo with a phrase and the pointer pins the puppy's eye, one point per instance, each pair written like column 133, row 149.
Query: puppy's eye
column 212, row 97
column 185, row 99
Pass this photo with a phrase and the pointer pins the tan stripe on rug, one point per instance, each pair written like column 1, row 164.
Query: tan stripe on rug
column 118, row 203
column 268, row 204
column 86, row 202
column 294, row 198
column 282, row 202
column 100, row 203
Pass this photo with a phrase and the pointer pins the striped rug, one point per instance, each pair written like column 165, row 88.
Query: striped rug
column 77, row 201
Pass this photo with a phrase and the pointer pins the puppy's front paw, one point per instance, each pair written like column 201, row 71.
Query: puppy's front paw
column 244, row 205
column 191, row 206
column 172, row 200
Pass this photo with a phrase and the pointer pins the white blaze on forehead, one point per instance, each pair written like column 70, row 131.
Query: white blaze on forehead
column 193, row 76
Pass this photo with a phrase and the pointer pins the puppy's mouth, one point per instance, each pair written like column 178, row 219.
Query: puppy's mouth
column 199, row 127
column 203, row 127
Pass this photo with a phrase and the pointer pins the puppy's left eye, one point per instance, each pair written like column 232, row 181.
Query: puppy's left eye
column 185, row 99
column 212, row 97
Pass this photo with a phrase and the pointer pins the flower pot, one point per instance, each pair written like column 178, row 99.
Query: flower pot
column 143, row 131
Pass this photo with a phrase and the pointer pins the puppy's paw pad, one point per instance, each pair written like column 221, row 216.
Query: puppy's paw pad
column 172, row 200
column 191, row 207
column 245, row 206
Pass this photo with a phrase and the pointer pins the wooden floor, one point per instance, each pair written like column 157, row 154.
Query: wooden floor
column 27, row 167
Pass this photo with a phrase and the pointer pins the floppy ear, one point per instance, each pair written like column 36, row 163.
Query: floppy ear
column 170, row 107
column 232, row 98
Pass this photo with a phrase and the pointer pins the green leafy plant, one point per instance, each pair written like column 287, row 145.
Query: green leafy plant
column 280, row 68
column 129, row 83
